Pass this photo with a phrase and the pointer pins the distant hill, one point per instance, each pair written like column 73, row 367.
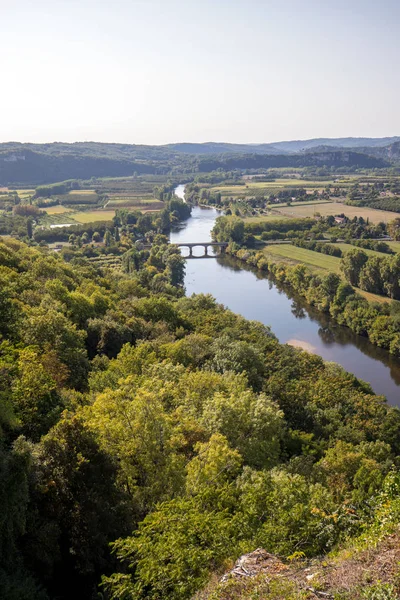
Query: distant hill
column 222, row 148
column 289, row 147
column 349, row 142
column 35, row 164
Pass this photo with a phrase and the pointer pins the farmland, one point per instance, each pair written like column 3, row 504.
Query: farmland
column 315, row 261
column 98, row 199
column 295, row 255
column 91, row 216
column 58, row 209
column 263, row 218
column 335, row 208
column 347, row 247
column 134, row 202
column 255, row 187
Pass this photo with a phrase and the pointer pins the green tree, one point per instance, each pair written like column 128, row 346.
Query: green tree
column 107, row 238
column 77, row 509
column 352, row 263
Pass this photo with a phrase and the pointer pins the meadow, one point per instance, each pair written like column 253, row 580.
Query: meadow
column 347, row 247
column 316, row 262
column 134, row 202
column 263, row 218
column 394, row 246
column 90, row 216
column 294, row 254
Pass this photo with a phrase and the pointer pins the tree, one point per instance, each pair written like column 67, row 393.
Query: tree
column 132, row 426
column 173, row 553
column 35, row 398
column 394, row 228
column 228, row 229
column 77, row 508
column 107, row 238
column 175, row 268
column 29, row 227
column 352, row 264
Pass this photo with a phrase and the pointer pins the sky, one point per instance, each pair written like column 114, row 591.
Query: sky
column 162, row 71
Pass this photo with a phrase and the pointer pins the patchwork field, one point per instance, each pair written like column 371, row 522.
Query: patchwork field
column 335, row 208
column 90, row 216
column 277, row 183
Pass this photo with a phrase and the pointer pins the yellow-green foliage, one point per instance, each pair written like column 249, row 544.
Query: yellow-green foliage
column 151, row 438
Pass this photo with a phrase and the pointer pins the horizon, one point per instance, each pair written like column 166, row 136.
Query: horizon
column 283, row 141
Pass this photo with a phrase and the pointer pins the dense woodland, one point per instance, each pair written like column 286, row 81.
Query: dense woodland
column 147, row 438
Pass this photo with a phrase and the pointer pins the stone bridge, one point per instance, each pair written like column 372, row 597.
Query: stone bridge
column 206, row 245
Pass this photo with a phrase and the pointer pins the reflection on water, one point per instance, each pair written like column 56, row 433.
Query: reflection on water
column 250, row 293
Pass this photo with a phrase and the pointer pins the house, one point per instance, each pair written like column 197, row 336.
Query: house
column 340, row 220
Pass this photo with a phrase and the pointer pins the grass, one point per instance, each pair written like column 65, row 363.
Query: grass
column 55, row 210
column 336, row 208
column 316, row 262
column 320, row 261
column 263, row 218
column 394, row 246
column 347, row 247
column 25, row 193
column 308, row 202
column 90, row 216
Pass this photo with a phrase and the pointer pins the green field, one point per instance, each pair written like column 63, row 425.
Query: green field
column 301, row 255
column 347, row 247
column 394, row 246
column 90, row 216
column 315, row 261
column 264, row 218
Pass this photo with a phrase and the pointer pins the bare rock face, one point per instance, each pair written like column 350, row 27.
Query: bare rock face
column 254, row 563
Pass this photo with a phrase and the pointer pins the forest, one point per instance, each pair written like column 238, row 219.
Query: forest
column 147, row 438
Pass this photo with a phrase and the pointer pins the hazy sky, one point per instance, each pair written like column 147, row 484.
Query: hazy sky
column 159, row 71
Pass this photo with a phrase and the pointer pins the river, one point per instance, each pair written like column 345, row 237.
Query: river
column 250, row 293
